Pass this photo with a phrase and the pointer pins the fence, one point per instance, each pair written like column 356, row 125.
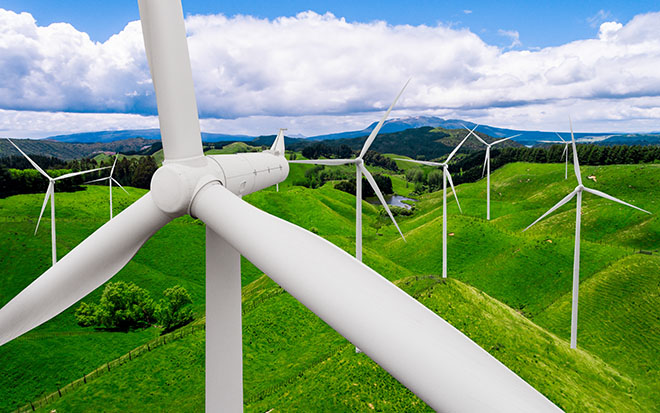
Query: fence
column 109, row 366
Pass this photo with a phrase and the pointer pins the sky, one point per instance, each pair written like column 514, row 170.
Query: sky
column 328, row 66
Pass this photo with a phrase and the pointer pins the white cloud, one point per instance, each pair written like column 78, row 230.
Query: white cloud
column 600, row 16
column 466, row 11
column 513, row 35
column 320, row 73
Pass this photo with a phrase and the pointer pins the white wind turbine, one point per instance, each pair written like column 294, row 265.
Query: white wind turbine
column 578, row 219
column 445, row 176
column 50, row 193
column 280, row 135
column 110, row 180
column 361, row 169
column 487, row 164
column 564, row 153
column 425, row 353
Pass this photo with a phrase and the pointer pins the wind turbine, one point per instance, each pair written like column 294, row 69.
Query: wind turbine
column 578, row 219
column 487, row 164
column 361, row 169
column 445, row 176
column 50, row 193
column 110, row 180
column 564, row 153
column 425, row 353
column 280, row 136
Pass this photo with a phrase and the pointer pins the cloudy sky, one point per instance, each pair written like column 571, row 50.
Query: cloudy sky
column 321, row 66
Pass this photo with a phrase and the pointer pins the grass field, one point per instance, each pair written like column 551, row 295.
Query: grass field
column 509, row 291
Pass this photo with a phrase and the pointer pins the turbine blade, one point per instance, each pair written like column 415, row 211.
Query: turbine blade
column 72, row 174
column 277, row 148
column 611, row 198
column 432, row 358
column 551, row 210
column 505, row 139
column 427, row 163
column 325, row 161
column 118, row 184
column 451, row 183
column 167, row 53
column 374, row 132
column 475, row 135
column 457, row 148
column 81, row 271
column 562, row 139
column 43, row 206
column 564, row 151
column 113, row 166
column 374, row 186
column 576, row 162
column 98, row 180
column 34, row 164
column 483, row 170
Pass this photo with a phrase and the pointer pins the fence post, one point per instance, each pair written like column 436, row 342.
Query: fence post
column 59, row 392
column 129, row 356
column 148, row 347
column 85, row 378
column 108, row 366
column 32, row 405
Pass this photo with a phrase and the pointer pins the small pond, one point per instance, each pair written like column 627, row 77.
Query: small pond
column 394, row 200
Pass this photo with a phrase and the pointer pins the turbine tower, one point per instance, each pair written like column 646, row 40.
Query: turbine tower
column 487, row 164
column 50, row 193
column 445, row 176
column 110, row 180
column 361, row 169
column 577, row 192
column 425, row 353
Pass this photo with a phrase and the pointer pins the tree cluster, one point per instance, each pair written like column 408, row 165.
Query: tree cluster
column 383, row 181
column 17, row 176
column 125, row 306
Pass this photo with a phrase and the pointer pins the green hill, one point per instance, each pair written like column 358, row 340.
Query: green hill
column 507, row 290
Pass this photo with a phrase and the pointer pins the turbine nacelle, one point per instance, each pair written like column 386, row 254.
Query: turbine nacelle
column 175, row 184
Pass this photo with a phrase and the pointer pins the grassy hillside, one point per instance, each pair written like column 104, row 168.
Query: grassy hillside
column 502, row 282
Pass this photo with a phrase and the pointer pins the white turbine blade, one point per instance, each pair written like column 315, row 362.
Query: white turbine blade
column 457, row 148
column 34, row 164
column 118, row 184
column 564, row 151
column 113, row 166
column 505, row 139
column 483, row 170
column 374, row 132
column 425, row 353
column 374, row 186
column 72, row 174
column 277, row 148
column 98, row 180
column 427, row 163
column 562, row 139
column 471, row 132
column 576, row 162
column 43, row 206
column 325, row 161
column 167, row 53
column 81, row 271
column 451, row 183
column 611, row 198
column 551, row 210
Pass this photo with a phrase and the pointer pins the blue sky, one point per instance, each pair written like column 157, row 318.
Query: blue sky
column 262, row 65
column 539, row 23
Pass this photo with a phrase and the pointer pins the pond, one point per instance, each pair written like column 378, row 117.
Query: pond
column 394, row 200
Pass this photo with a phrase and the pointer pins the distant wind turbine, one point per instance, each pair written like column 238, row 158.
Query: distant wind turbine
column 360, row 170
column 110, row 180
column 576, row 257
column 445, row 176
column 487, row 164
column 565, row 152
column 50, row 193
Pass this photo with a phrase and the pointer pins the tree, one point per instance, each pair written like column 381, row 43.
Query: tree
column 415, row 175
column 435, row 179
column 123, row 306
column 174, row 311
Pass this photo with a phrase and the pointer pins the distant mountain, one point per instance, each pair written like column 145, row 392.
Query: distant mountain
column 154, row 134
column 527, row 138
column 68, row 151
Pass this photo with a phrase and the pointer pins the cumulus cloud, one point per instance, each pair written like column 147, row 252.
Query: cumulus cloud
column 311, row 69
column 513, row 35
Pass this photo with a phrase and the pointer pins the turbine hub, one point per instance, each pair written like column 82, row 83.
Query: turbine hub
column 174, row 185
